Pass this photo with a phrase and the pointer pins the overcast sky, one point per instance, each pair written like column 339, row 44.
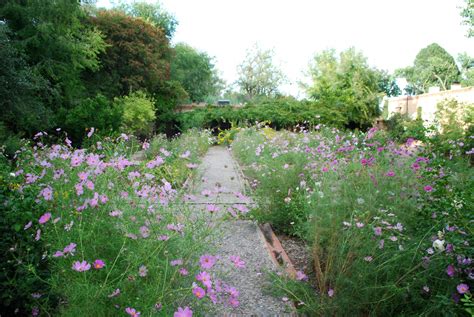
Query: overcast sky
column 389, row 32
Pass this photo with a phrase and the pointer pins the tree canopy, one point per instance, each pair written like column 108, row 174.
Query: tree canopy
column 346, row 85
column 467, row 13
column 152, row 13
column 137, row 55
column 433, row 66
column 195, row 71
column 258, row 75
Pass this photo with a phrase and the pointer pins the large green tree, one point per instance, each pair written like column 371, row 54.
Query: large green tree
column 466, row 63
column 137, row 55
column 55, row 42
column 153, row 13
column 433, row 66
column 258, row 74
column 20, row 86
column 195, row 71
column 347, row 86
column 467, row 13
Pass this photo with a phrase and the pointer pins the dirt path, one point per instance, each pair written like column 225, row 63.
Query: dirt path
column 219, row 183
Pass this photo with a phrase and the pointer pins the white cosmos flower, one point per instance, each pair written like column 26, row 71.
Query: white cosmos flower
column 438, row 245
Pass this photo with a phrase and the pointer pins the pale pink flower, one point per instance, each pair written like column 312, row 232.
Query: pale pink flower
column 199, row 292
column 300, row 276
column 47, row 193
column 81, row 266
column 204, row 278
column 143, row 271
column 132, row 312
column 91, row 132
column 237, row 261
column 183, row 312
column 44, row 218
column 207, row 261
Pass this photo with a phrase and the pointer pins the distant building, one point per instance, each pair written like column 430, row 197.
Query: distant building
column 427, row 103
column 223, row 102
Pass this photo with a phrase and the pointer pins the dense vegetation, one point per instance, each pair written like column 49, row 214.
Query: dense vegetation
column 388, row 225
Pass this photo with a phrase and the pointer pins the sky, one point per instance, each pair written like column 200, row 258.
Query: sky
column 389, row 33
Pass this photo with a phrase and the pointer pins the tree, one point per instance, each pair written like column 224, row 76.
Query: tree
column 151, row 13
column 137, row 56
column 388, row 84
column 258, row 76
column 346, row 85
column 466, row 63
column 20, row 85
column 433, row 66
column 467, row 13
column 55, row 43
column 195, row 71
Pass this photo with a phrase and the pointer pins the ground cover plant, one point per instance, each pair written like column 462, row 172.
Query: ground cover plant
column 91, row 232
column 389, row 225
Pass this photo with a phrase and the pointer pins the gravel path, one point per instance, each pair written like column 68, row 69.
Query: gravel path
column 219, row 182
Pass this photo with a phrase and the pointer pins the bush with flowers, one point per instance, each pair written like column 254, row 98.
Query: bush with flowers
column 388, row 225
column 91, row 232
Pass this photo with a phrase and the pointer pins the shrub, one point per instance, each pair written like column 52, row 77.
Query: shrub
column 97, row 112
column 138, row 113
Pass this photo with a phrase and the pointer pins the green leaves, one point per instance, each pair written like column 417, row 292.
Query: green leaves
column 346, row 85
column 433, row 66
column 195, row 71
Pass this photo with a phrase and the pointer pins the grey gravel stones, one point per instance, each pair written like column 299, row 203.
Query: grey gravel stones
column 219, row 181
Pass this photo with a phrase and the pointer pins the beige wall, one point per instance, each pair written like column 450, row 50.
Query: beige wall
column 427, row 102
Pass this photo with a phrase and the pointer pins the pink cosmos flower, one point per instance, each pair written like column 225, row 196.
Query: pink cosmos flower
column 114, row 293
column 176, row 262
column 70, row 248
column 98, row 264
column 183, row 312
column 38, row 234
column 58, row 254
column 79, row 189
column 300, row 276
column 91, row 132
column 381, row 244
column 116, row 213
column 145, row 145
column 330, row 292
column 450, row 270
column 234, row 302
column 237, row 261
column 47, row 193
column 183, row 271
column 463, row 288
column 132, row 312
column 185, row 154
column 199, row 292
column 212, row 208
column 163, row 237
column 428, row 188
column 143, row 271
column 144, row 231
column 368, row 259
column 359, row 225
column 204, row 278
column 90, row 185
column 207, row 261
column 378, row 231
column 390, row 174
column 83, row 175
column 28, row 225
column 191, row 165
column 44, row 218
column 81, row 266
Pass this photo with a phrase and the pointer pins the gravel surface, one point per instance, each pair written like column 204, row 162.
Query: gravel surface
column 219, row 182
